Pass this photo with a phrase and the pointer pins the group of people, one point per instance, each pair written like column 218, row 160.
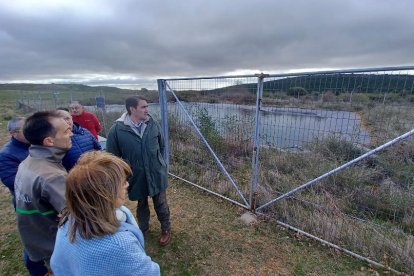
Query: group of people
column 69, row 194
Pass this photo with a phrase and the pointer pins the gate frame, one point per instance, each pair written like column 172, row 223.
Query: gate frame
column 251, row 206
column 164, row 121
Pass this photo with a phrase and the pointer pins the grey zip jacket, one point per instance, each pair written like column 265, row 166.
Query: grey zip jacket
column 40, row 196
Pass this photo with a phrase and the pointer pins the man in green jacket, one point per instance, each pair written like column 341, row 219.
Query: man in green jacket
column 137, row 138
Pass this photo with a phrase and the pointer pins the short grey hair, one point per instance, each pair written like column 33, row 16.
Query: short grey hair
column 12, row 124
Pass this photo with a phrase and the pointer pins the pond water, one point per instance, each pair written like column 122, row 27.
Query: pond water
column 287, row 128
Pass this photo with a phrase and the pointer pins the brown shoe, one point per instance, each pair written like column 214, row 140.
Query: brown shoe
column 165, row 237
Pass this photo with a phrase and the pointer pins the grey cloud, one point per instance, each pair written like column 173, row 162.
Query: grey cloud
column 150, row 39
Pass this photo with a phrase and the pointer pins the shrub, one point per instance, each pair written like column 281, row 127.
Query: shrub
column 241, row 96
column 296, row 91
column 328, row 97
column 207, row 126
column 336, row 149
column 360, row 98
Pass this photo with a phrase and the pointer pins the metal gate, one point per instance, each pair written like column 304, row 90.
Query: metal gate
column 329, row 154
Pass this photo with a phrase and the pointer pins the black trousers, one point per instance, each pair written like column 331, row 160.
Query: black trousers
column 161, row 208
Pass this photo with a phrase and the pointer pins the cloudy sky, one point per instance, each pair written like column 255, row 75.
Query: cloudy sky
column 135, row 42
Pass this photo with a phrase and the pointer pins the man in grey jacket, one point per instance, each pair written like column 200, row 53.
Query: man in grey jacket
column 40, row 183
column 136, row 138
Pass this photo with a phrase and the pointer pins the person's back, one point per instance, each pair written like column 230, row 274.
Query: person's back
column 97, row 235
column 121, row 253
column 11, row 155
column 40, row 183
column 39, row 197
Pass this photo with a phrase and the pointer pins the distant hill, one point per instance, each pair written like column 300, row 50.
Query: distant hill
column 60, row 87
column 367, row 83
column 41, row 96
column 338, row 83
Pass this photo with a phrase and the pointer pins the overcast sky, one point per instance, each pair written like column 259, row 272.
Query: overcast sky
column 130, row 41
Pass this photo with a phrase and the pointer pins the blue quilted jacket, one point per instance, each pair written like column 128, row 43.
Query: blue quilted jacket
column 11, row 155
column 82, row 141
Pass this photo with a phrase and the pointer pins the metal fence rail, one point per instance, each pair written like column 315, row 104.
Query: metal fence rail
column 201, row 130
column 112, row 99
column 327, row 153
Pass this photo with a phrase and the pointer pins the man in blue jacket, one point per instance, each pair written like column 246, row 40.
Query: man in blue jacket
column 11, row 155
column 82, row 141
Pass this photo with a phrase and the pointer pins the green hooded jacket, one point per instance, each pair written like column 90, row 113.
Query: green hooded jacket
column 143, row 153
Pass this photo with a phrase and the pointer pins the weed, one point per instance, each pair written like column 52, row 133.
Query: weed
column 207, row 126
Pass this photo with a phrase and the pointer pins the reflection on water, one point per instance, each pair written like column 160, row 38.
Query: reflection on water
column 279, row 127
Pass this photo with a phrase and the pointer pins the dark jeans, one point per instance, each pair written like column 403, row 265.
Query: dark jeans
column 34, row 268
column 161, row 208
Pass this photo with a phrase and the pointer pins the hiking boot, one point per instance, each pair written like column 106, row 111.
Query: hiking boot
column 165, row 237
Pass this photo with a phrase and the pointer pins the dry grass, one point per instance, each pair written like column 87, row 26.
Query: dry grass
column 360, row 190
column 209, row 239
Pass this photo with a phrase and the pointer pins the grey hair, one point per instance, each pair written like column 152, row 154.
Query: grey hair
column 12, row 124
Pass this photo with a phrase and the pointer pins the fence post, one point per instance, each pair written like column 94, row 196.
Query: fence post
column 256, row 143
column 164, row 119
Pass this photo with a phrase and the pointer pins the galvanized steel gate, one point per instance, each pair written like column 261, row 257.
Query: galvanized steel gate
column 320, row 152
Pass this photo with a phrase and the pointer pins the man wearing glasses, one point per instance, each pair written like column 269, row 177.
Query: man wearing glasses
column 13, row 153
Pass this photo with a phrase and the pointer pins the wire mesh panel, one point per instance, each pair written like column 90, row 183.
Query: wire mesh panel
column 108, row 103
column 215, row 152
column 315, row 123
column 329, row 154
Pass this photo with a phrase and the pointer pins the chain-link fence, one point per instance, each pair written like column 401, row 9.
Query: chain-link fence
column 107, row 103
column 329, row 154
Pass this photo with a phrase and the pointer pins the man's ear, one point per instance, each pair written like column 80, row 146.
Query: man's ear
column 48, row 141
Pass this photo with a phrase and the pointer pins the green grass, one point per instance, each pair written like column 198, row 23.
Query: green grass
column 209, row 239
column 208, row 236
column 11, row 249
